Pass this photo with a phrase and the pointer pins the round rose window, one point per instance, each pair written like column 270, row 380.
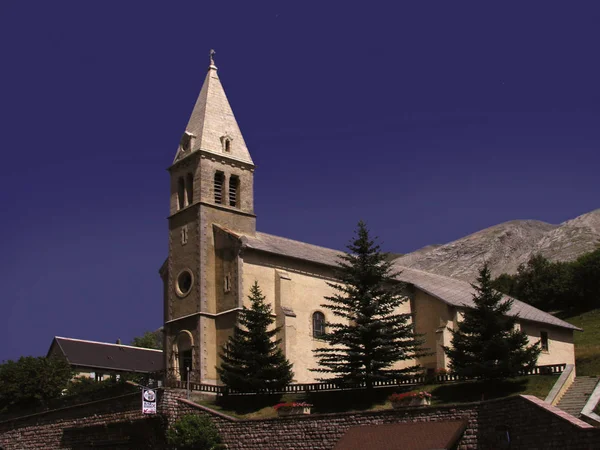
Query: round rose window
column 185, row 280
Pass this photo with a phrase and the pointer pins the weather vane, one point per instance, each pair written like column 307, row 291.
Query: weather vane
column 212, row 59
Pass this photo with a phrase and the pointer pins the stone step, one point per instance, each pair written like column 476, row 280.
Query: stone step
column 577, row 396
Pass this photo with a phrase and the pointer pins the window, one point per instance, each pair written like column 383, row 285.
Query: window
column 318, row 324
column 544, row 340
column 234, row 183
column 218, row 187
column 227, row 286
column 226, row 143
column 185, row 280
column 180, row 193
column 184, row 235
column 189, row 188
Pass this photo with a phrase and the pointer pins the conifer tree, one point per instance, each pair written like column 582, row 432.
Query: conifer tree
column 371, row 335
column 252, row 360
column 486, row 344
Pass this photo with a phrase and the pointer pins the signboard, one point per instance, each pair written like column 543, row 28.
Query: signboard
column 148, row 401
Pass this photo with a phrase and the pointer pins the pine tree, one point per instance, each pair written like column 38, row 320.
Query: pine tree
column 371, row 335
column 252, row 360
column 486, row 344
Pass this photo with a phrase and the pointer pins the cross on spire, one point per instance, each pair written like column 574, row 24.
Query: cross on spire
column 212, row 58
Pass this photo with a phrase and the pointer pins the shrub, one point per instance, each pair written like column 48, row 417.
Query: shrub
column 194, row 432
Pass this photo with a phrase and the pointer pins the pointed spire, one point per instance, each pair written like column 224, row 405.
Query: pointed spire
column 212, row 126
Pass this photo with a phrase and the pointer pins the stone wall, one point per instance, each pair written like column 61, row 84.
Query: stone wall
column 117, row 423
column 521, row 422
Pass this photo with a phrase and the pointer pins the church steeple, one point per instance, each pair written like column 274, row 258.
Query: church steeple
column 212, row 126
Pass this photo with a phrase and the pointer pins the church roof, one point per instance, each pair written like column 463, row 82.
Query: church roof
column 106, row 356
column 212, row 121
column 452, row 291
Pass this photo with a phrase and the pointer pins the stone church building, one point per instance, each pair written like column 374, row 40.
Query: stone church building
column 216, row 254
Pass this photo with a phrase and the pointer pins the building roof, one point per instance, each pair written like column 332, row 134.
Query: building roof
column 400, row 436
column 452, row 291
column 212, row 119
column 102, row 355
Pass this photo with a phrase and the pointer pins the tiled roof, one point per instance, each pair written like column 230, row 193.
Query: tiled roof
column 102, row 355
column 398, row 436
column 449, row 290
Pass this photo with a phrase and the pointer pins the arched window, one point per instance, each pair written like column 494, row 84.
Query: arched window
column 226, row 143
column 318, row 320
column 189, row 188
column 218, row 187
column 234, row 186
column 180, row 193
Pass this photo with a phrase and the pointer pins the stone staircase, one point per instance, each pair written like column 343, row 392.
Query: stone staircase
column 577, row 395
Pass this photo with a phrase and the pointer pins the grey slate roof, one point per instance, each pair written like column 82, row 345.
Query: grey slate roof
column 102, row 355
column 449, row 290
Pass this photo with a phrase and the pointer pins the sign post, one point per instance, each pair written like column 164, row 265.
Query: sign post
column 148, row 401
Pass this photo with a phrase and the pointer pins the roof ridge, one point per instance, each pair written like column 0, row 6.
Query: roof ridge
column 107, row 343
column 300, row 242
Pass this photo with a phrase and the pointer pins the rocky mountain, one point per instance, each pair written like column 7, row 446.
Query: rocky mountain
column 507, row 245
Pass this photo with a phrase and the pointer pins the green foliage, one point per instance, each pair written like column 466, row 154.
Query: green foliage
column 252, row 360
column 586, row 280
column 371, row 336
column 486, row 344
column 32, row 381
column 587, row 344
column 150, row 339
column 92, row 389
column 551, row 286
column 194, row 432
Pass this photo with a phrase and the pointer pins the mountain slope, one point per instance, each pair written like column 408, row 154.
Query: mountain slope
column 507, row 245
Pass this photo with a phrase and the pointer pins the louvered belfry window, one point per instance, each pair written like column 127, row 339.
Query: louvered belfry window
column 234, row 183
column 180, row 193
column 219, row 187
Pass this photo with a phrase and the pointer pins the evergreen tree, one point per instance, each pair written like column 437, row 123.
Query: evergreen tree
column 486, row 344
column 252, row 360
column 371, row 335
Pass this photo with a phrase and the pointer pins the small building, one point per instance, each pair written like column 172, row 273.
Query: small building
column 101, row 360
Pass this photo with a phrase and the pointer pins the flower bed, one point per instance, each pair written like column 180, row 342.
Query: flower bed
column 292, row 408
column 410, row 399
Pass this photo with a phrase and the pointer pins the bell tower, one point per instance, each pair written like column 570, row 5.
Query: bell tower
column 211, row 185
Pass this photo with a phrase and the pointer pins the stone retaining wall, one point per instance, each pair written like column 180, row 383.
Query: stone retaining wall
column 117, row 423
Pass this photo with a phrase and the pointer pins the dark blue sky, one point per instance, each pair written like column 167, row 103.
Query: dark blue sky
column 429, row 120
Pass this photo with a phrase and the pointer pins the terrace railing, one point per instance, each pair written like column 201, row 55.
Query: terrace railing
column 551, row 369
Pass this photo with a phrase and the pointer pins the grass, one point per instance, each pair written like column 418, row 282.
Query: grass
column 261, row 407
column 587, row 344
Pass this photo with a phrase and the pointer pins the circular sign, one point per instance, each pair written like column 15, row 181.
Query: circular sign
column 149, row 395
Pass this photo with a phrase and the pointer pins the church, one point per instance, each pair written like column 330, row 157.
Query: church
column 215, row 255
